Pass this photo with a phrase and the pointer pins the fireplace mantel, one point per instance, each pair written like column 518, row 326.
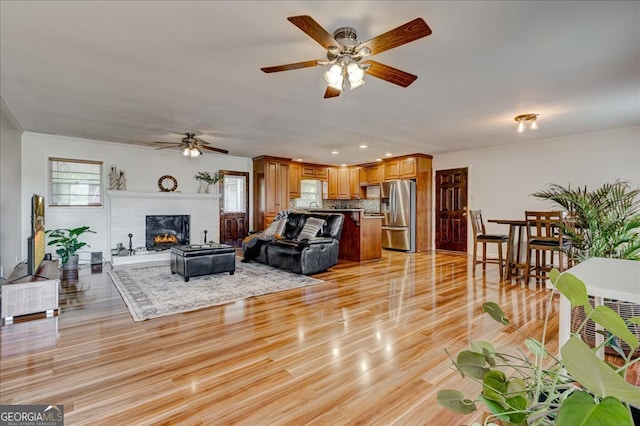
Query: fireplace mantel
column 160, row 194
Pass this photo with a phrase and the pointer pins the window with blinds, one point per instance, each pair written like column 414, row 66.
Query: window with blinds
column 75, row 183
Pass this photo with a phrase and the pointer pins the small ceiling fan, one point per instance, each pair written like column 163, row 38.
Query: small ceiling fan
column 349, row 58
column 191, row 146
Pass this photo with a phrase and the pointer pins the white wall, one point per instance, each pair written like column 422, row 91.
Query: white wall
column 143, row 166
column 10, row 193
column 501, row 179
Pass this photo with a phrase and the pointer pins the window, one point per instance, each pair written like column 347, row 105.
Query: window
column 310, row 193
column 234, row 194
column 75, row 182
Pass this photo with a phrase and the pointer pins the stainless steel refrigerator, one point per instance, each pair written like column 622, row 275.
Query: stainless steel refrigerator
column 398, row 207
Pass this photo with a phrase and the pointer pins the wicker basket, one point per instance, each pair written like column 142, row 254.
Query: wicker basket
column 624, row 309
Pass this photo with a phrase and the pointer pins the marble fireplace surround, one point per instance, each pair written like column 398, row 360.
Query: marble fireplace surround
column 128, row 210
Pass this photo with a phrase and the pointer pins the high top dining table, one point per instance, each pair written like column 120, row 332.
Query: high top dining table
column 514, row 245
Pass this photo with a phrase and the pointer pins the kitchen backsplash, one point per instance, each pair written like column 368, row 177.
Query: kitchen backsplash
column 369, row 205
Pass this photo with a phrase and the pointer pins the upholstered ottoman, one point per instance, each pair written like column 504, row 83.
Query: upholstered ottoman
column 196, row 260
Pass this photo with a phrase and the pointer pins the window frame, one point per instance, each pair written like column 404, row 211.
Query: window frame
column 52, row 181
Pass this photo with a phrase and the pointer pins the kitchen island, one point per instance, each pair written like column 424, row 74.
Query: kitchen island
column 361, row 234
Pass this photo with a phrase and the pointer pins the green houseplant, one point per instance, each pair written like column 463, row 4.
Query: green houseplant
column 606, row 221
column 535, row 387
column 68, row 244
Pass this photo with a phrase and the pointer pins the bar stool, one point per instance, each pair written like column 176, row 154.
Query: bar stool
column 544, row 236
column 480, row 236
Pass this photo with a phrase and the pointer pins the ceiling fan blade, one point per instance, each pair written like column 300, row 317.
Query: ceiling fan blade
column 287, row 67
column 175, row 145
column 313, row 30
column 331, row 92
column 167, row 143
column 390, row 74
column 406, row 33
column 211, row 148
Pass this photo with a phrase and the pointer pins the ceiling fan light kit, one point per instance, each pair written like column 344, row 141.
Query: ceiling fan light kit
column 191, row 146
column 346, row 56
column 526, row 121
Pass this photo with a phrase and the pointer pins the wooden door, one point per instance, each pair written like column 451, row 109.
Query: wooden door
column 451, row 209
column 234, row 207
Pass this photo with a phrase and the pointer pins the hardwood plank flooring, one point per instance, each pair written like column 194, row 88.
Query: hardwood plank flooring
column 364, row 347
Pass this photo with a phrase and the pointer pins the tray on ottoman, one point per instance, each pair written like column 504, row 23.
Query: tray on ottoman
column 196, row 260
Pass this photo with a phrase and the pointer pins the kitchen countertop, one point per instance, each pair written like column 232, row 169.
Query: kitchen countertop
column 364, row 214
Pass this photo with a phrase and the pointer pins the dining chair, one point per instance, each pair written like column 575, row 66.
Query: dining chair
column 480, row 236
column 544, row 237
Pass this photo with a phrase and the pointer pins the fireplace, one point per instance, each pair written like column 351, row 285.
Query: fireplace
column 164, row 231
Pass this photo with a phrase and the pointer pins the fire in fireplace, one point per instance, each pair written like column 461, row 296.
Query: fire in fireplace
column 164, row 231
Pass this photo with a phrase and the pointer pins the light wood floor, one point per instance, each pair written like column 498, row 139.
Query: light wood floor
column 365, row 347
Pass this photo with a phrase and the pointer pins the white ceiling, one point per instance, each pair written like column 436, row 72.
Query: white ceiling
column 142, row 71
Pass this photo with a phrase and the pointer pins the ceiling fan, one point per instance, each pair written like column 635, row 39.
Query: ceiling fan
column 349, row 58
column 191, row 146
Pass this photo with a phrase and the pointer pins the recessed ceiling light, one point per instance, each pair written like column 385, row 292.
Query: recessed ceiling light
column 343, row 165
column 388, row 154
column 378, row 159
column 363, row 146
column 334, row 152
column 299, row 159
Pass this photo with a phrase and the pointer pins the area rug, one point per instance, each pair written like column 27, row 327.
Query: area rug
column 152, row 291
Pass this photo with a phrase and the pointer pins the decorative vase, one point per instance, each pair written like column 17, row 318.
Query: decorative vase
column 204, row 187
column 212, row 188
column 113, row 178
column 122, row 182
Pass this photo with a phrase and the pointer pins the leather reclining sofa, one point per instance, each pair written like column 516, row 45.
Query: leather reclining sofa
column 305, row 256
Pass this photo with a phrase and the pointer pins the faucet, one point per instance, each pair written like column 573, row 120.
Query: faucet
column 312, row 203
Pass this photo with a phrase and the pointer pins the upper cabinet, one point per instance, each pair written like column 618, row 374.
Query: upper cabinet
column 344, row 190
column 311, row 171
column 354, row 182
column 295, row 175
column 372, row 175
column 270, row 190
column 332, row 186
column 400, row 168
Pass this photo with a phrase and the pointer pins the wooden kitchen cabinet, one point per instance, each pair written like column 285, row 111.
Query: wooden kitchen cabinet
column 270, row 189
column 332, row 184
column 344, row 190
column 354, row 183
column 312, row 171
column 400, row 168
column 295, row 175
column 322, row 173
column 308, row 171
column 375, row 174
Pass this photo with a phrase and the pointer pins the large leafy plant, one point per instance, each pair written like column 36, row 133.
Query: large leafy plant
column 534, row 387
column 68, row 241
column 605, row 222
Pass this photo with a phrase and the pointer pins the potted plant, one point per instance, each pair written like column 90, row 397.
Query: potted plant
column 206, row 179
column 605, row 222
column 69, row 243
column 535, row 387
